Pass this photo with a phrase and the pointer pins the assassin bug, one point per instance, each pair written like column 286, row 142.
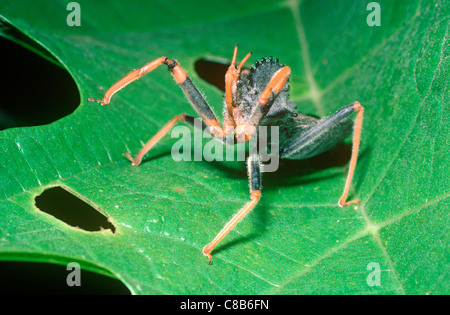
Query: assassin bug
column 255, row 97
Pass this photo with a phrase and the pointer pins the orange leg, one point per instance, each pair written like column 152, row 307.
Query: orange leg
column 255, row 196
column 191, row 92
column 275, row 85
column 178, row 73
column 137, row 160
column 356, row 140
column 254, row 172
column 268, row 96
column 134, row 75
column 231, row 78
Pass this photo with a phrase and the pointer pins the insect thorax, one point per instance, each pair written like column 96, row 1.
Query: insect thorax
column 252, row 83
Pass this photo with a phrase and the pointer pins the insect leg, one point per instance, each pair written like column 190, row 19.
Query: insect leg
column 132, row 76
column 190, row 90
column 231, row 78
column 164, row 130
column 254, row 172
column 137, row 160
column 270, row 93
column 356, row 140
column 324, row 135
column 226, row 138
column 275, row 85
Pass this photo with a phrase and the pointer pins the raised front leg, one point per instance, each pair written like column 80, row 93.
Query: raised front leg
column 191, row 92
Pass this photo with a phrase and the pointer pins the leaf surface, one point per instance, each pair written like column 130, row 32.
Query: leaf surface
column 297, row 240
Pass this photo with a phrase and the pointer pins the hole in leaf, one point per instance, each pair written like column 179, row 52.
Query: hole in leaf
column 36, row 89
column 212, row 72
column 68, row 208
column 45, row 278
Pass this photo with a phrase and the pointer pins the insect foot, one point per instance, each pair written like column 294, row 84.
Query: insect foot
column 342, row 203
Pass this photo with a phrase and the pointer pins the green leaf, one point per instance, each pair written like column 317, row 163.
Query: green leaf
column 297, row 240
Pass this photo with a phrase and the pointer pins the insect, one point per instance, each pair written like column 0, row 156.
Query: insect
column 255, row 97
